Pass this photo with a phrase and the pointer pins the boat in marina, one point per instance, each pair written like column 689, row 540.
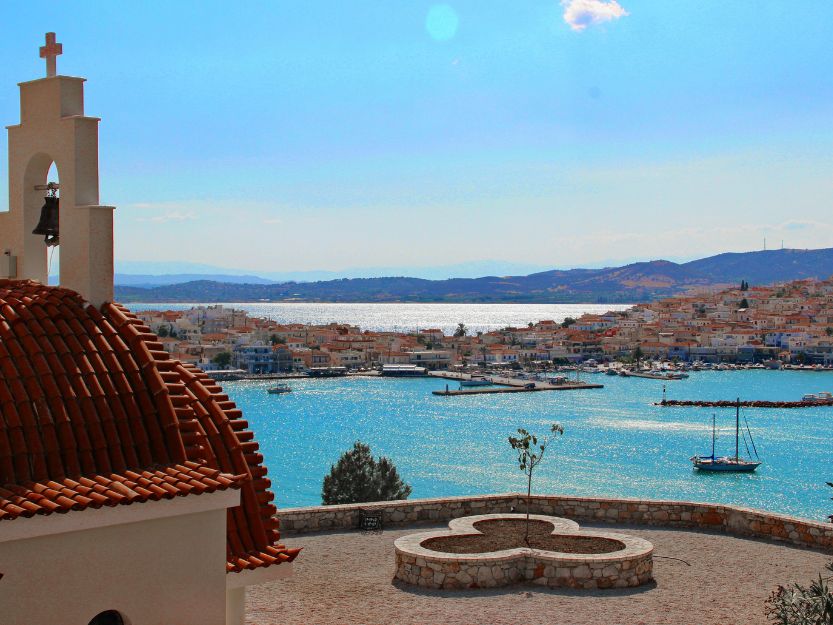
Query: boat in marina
column 823, row 397
column 735, row 463
column 476, row 381
column 279, row 389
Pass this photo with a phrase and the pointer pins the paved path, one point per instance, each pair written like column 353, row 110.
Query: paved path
column 345, row 578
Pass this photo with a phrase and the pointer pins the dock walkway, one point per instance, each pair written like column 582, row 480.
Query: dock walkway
column 507, row 385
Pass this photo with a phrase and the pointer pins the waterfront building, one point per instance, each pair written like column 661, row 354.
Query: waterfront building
column 431, row 358
column 259, row 358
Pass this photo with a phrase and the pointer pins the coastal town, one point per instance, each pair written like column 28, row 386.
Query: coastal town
column 786, row 324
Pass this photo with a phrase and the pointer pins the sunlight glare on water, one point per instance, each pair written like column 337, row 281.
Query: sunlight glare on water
column 616, row 442
column 407, row 317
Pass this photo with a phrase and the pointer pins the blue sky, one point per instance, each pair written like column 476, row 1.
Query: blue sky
column 327, row 135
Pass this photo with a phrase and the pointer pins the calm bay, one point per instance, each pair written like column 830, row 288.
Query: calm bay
column 616, row 443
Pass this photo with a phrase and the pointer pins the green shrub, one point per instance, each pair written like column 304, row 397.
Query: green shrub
column 358, row 478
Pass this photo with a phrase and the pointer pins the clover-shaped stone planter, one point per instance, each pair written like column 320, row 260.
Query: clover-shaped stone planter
column 590, row 558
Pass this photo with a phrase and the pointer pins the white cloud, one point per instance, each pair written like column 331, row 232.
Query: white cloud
column 273, row 221
column 580, row 14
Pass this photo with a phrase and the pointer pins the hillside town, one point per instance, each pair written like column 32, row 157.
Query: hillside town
column 790, row 323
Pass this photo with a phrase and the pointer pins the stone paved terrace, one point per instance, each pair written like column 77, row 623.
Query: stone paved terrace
column 346, row 577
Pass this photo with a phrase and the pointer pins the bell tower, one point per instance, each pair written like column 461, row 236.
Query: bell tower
column 54, row 129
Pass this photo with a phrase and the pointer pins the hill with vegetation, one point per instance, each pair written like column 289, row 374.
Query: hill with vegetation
column 636, row 282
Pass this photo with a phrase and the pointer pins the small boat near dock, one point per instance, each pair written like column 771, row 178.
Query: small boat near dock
column 476, row 381
column 279, row 389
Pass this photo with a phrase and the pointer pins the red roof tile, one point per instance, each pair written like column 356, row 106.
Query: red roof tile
column 93, row 412
column 96, row 491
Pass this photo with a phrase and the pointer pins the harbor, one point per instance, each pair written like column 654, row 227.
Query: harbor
column 402, row 419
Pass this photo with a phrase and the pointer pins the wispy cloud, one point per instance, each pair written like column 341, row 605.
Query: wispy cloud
column 700, row 241
column 170, row 216
column 580, row 14
column 273, row 221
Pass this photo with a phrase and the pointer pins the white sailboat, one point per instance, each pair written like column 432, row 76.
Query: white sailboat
column 735, row 463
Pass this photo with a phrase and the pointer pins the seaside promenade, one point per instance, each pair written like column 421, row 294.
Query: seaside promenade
column 347, row 576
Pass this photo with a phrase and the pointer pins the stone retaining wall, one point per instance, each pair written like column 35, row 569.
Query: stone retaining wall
column 679, row 514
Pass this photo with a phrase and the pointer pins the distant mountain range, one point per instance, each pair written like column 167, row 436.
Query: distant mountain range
column 160, row 273
column 635, row 282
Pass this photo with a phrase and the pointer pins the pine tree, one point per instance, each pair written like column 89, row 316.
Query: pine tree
column 358, row 478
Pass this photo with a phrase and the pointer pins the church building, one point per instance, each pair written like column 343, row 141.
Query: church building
column 131, row 489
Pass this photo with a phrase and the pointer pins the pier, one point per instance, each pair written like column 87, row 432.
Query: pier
column 506, row 385
column 516, row 389
column 650, row 376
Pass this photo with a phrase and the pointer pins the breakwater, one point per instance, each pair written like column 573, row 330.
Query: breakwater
column 745, row 404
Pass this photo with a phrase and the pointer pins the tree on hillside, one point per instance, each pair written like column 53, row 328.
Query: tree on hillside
column 567, row 322
column 530, row 454
column 461, row 330
column 744, row 303
column 828, row 331
column 637, row 355
column 222, row 360
column 358, row 478
column 162, row 332
column 744, row 285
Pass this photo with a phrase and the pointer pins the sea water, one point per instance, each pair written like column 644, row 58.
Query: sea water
column 616, row 442
column 407, row 317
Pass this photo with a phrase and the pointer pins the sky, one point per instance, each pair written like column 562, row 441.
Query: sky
column 296, row 136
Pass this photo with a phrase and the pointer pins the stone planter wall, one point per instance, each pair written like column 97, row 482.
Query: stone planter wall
column 415, row 564
column 733, row 520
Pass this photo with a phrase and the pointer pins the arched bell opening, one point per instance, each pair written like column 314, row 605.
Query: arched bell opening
column 41, row 217
column 109, row 617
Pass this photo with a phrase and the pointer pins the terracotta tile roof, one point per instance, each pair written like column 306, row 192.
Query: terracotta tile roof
column 96, row 491
column 90, row 396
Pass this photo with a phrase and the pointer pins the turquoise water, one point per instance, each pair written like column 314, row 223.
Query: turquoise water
column 615, row 443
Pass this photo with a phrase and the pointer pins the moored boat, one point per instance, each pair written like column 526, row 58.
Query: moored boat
column 279, row 389
column 735, row 463
column 476, row 381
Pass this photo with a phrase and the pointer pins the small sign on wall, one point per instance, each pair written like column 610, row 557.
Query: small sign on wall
column 8, row 265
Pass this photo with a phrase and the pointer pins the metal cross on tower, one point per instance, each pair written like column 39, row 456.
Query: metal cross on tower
column 50, row 52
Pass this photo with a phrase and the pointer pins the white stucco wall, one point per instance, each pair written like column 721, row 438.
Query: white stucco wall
column 163, row 571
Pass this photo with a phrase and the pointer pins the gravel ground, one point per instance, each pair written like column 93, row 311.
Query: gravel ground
column 345, row 578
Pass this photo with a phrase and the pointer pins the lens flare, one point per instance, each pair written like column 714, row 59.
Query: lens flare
column 441, row 22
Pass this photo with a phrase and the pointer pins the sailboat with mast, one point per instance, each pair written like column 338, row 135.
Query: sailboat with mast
column 734, row 463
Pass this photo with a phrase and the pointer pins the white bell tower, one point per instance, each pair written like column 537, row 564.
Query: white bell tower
column 53, row 128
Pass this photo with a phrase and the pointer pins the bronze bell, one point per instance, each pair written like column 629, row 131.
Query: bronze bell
column 48, row 224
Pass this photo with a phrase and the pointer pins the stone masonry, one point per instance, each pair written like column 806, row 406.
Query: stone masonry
column 630, row 566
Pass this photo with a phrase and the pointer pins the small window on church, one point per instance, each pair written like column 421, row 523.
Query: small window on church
column 110, row 617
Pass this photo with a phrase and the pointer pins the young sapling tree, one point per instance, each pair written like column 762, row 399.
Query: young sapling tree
column 530, row 454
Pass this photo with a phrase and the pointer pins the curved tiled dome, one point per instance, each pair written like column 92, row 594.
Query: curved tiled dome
column 93, row 412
